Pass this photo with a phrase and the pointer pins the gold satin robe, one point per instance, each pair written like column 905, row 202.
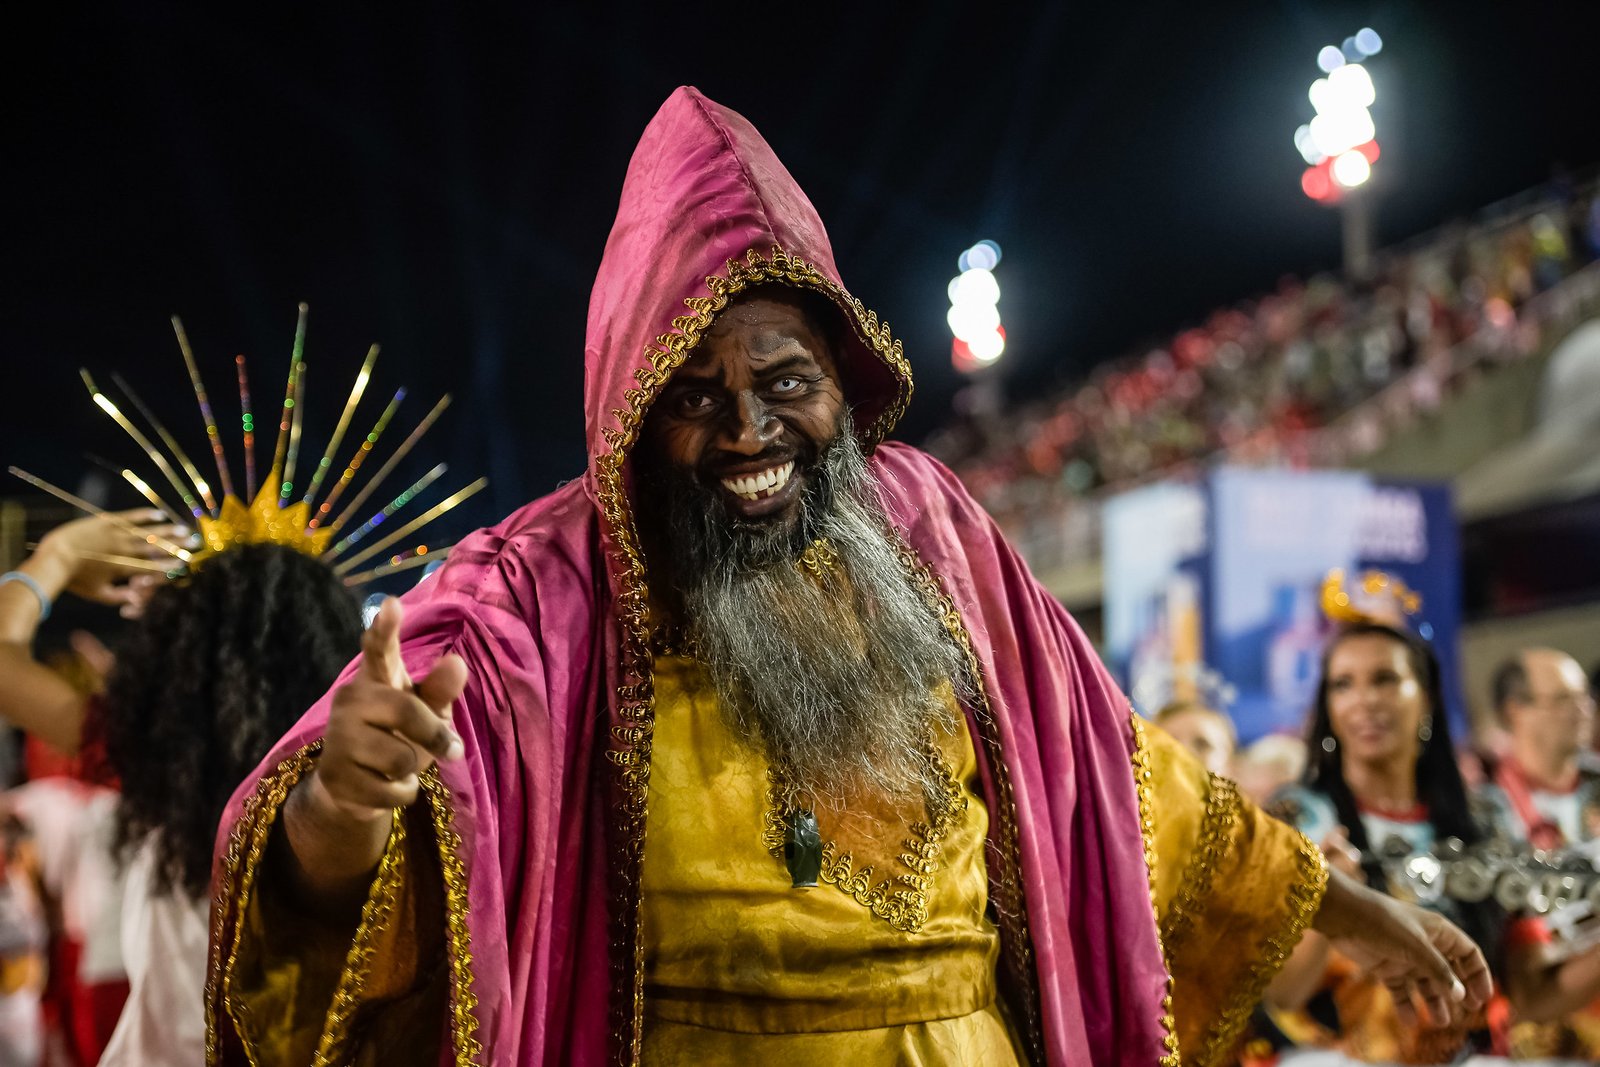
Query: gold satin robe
column 742, row 968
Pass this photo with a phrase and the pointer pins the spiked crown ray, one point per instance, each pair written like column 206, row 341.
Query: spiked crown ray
column 271, row 515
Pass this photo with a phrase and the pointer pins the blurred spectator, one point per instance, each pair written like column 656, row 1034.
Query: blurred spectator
column 1381, row 786
column 64, row 814
column 219, row 665
column 1539, row 790
column 1268, row 764
column 23, row 939
column 1207, row 734
column 1542, row 794
column 1593, row 755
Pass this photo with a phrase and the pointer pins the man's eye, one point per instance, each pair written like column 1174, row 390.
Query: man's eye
column 695, row 402
column 787, row 384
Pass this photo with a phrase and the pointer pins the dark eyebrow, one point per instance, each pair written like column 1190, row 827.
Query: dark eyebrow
column 687, row 375
column 788, row 363
column 768, row 341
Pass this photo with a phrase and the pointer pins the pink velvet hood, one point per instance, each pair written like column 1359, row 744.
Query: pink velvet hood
column 541, row 827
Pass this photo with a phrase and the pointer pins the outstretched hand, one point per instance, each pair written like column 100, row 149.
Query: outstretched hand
column 1423, row 958
column 384, row 729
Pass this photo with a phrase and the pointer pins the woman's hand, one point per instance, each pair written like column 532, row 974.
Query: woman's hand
column 72, row 557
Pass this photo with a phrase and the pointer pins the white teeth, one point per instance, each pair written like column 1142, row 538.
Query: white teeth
column 763, row 483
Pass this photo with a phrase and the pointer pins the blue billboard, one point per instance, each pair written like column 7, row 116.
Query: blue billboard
column 1220, row 580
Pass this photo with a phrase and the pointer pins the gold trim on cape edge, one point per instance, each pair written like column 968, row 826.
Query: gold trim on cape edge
column 358, row 961
column 237, row 878
column 246, row 843
column 463, row 1001
column 1143, row 777
column 631, row 737
column 1009, row 897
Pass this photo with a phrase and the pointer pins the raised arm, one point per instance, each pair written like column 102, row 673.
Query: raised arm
column 71, row 558
column 383, row 731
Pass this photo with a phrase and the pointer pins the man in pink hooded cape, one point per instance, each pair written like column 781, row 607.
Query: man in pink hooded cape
column 1141, row 904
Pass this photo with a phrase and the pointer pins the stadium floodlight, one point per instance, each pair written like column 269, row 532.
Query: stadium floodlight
column 1337, row 132
column 1351, row 169
column 971, row 321
column 974, row 314
column 1342, row 124
column 989, row 347
column 1352, row 86
column 1307, row 148
column 975, row 286
column 1340, row 143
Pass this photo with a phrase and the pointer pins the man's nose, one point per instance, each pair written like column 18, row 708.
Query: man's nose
column 750, row 429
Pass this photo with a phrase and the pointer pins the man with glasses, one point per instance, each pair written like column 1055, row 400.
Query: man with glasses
column 1546, row 792
column 1543, row 786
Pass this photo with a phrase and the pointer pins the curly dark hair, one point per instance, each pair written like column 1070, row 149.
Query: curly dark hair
column 223, row 663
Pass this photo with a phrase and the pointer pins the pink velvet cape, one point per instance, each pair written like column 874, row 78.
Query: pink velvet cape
column 545, row 816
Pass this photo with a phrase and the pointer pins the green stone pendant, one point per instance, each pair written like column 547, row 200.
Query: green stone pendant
column 802, row 849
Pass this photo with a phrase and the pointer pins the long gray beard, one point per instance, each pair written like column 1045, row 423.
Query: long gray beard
column 838, row 678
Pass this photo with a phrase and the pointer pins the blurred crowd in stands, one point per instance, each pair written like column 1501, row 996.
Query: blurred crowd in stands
column 1305, row 375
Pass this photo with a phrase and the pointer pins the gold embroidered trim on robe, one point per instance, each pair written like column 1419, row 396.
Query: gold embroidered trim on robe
column 1143, row 779
column 238, row 879
column 1233, row 891
column 901, row 900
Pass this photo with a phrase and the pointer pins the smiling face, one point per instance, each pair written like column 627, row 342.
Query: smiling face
column 1376, row 702
column 750, row 414
column 747, row 458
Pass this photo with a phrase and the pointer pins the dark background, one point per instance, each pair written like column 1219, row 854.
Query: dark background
column 442, row 180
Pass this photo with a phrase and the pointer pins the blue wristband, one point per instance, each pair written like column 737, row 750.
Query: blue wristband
column 38, row 590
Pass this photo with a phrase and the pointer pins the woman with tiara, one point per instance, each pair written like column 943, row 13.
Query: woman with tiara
column 1381, row 789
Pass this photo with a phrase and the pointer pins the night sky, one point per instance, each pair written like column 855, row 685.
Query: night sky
column 442, row 183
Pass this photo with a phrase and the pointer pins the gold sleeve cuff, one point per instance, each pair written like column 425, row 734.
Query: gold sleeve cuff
column 288, row 987
column 1233, row 890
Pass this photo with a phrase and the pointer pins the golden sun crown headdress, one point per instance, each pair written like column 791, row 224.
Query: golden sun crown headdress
column 1377, row 597
column 270, row 517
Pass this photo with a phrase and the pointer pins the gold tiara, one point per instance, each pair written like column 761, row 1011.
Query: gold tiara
column 272, row 515
column 1378, row 597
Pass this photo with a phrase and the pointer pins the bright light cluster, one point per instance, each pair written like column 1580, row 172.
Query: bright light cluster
column 974, row 314
column 1340, row 143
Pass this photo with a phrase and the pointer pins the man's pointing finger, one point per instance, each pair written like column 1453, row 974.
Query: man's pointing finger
column 380, row 647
